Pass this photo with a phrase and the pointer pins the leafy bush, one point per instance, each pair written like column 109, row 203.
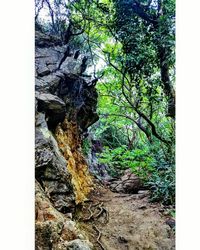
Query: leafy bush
column 109, row 135
column 140, row 161
column 156, row 175
column 162, row 184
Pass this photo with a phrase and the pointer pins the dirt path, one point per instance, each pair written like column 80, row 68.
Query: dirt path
column 133, row 223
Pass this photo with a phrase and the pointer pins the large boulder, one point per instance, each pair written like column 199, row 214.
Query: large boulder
column 128, row 183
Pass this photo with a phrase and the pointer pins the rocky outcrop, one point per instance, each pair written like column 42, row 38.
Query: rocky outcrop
column 51, row 168
column 43, row 40
column 128, row 183
column 60, row 75
column 53, row 106
column 53, row 230
column 65, row 107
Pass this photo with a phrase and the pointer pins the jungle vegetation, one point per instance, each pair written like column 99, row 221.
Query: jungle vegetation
column 131, row 50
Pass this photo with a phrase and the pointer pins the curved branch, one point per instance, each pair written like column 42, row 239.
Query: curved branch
column 136, row 122
column 153, row 128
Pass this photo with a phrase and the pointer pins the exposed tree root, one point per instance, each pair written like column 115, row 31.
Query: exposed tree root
column 102, row 210
column 99, row 237
column 93, row 216
column 132, row 222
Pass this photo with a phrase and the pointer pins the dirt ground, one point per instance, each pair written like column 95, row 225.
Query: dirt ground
column 116, row 221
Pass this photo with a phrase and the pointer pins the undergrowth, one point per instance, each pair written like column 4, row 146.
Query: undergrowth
column 156, row 175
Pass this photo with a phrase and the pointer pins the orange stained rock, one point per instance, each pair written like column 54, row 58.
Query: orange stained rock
column 69, row 142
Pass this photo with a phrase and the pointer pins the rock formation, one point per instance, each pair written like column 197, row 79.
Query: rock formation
column 65, row 108
column 128, row 183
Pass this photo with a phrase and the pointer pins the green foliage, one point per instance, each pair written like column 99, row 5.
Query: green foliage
column 173, row 213
column 150, row 165
column 120, row 158
column 113, row 159
column 109, row 135
column 86, row 146
column 162, row 184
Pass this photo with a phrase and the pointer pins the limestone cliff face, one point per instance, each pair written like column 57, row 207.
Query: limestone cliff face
column 65, row 108
column 69, row 143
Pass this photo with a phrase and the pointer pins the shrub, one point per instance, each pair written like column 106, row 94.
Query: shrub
column 162, row 185
column 140, row 161
column 158, row 176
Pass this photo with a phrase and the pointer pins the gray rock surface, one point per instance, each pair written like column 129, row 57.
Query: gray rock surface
column 52, row 106
column 78, row 245
column 53, row 229
column 60, row 75
column 42, row 40
column 128, row 183
column 50, row 102
column 51, row 169
column 62, row 92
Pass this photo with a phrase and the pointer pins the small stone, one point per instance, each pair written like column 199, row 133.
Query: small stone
column 81, row 237
column 142, row 207
column 43, row 71
column 69, row 215
column 121, row 239
column 143, row 192
column 78, row 245
column 170, row 222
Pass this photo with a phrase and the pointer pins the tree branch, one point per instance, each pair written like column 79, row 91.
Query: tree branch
column 153, row 128
column 130, row 118
column 139, row 11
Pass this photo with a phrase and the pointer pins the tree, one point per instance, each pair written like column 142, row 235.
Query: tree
column 146, row 30
column 131, row 48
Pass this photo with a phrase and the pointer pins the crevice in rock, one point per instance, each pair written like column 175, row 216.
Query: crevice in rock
column 66, row 54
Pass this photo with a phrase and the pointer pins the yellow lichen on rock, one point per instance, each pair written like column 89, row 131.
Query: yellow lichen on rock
column 68, row 140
